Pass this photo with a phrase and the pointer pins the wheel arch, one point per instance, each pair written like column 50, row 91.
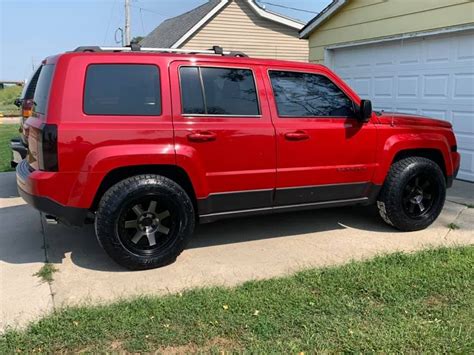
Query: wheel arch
column 429, row 153
column 172, row 172
column 427, row 145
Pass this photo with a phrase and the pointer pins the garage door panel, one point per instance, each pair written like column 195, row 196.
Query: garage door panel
column 362, row 85
column 464, row 86
column 407, row 86
column 435, row 86
column 465, row 48
column 436, row 51
column 431, row 76
column 463, row 122
column 383, row 87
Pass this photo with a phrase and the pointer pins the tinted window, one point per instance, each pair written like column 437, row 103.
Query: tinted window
column 42, row 88
column 226, row 91
column 122, row 89
column 308, row 95
column 30, row 86
column 193, row 101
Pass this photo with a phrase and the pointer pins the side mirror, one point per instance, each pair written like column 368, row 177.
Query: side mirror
column 17, row 102
column 365, row 110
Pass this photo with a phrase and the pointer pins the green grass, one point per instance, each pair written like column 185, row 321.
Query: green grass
column 398, row 303
column 7, row 96
column 7, row 132
column 453, row 226
column 46, row 272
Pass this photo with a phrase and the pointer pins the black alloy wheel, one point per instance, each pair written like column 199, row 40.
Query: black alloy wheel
column 419, row 196
column 147, row 225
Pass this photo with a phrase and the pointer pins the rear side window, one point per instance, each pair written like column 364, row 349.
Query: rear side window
column 309, row 95
column 192, row 98
column 122, row 89
column 218, row 91
column 43, row 86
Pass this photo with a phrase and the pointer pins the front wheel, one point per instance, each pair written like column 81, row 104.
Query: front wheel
column 144, row 221
column 413, row 194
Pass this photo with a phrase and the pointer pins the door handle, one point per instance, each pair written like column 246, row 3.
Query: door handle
column 296, row 136
column 202, row 136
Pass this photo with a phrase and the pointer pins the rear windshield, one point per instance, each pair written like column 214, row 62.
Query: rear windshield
column 122, row 89
column 42, row 88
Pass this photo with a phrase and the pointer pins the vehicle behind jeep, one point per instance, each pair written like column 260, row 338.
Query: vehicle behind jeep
column 144, row 143
column 18, row 145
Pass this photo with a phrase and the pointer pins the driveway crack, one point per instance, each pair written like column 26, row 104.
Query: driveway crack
column 46, row 258
column 454, row 220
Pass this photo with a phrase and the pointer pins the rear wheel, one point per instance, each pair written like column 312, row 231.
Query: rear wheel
column 144, row 221
column 413, row 194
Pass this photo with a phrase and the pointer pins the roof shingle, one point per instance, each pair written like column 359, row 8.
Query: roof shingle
column 171, row 30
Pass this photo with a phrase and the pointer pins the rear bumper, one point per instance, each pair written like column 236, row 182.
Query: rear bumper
column 68, row 215
column 18, row 151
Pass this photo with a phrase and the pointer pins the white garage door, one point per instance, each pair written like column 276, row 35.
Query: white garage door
column 431, row 76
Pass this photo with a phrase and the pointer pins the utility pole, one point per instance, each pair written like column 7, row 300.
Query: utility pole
column 127, row 22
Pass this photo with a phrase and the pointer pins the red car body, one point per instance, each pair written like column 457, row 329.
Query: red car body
column 231, row 165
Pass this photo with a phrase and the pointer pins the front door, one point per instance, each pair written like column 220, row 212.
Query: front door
column 323, row 152
column 222, row 120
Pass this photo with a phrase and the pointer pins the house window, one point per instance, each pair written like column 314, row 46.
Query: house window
column 309, row 95
column 218, row 91
column 122, row 89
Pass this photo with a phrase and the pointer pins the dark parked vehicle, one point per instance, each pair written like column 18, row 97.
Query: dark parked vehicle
column 25, row 102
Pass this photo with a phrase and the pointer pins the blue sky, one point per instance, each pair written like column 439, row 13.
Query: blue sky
column 34, row 29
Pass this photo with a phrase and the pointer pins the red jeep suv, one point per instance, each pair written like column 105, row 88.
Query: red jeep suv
column 145, row 142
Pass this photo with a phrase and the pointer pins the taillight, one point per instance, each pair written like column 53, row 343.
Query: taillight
column 27, row 108
column 48, row 148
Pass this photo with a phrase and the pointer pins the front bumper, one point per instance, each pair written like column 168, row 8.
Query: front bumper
column 19, row 151
column 68, row 215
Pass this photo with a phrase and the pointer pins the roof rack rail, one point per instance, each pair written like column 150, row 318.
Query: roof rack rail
column 135, row 47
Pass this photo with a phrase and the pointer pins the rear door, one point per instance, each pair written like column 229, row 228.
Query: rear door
column 221, row 118
column 324, row 152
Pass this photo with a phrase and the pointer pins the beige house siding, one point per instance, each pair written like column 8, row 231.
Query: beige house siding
column 362, row 20
column 239, row 28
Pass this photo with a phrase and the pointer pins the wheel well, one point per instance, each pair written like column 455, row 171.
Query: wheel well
column 172, row 172
column 432, row 154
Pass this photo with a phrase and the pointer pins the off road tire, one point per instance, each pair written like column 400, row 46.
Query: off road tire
column 165, row 229
column 401, row 200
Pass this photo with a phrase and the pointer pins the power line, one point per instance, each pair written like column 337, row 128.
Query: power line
column 289, row 7
column 110, row 20
column 144, row 9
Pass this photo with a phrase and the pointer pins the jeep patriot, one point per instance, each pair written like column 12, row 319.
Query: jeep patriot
column 147, row 142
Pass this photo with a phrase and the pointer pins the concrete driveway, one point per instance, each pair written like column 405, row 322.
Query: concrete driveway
column 223, row 253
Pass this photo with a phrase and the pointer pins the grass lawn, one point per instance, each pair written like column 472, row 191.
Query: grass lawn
column 398, row 303
column 7, row 132
column 7, row 96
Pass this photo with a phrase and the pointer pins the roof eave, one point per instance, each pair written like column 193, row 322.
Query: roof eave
column 324, row 15
column 257, row 9
column 274, row 17
column 201, row 23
